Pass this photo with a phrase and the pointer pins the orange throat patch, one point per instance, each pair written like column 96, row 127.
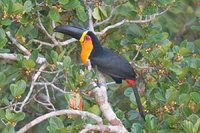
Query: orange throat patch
column 86, row 50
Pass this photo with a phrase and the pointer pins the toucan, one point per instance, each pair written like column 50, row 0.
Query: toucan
column 106, row 60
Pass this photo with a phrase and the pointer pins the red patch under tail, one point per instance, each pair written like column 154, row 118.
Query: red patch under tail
column 131, row 82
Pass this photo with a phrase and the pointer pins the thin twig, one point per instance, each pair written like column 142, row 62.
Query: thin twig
column 43, row 43
column 35, row 77
column 45, row 31
column 69, row 41
column 14, row 41
column 48, row 98
column 106, row 20
column 138, row 51
column 140, row 21
column 45, row 101
column 50, row 84
column 42, row 26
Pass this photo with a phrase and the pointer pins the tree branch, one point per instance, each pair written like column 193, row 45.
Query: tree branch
column 140, row 21
column 34, row 78
column 69, row 41
column 102, row 100
column 6, row 56
column 50, row 84
column 52, row 37
column 89, row 11
column 14, row 41
column 13, row 57
column 102, row 128
column 38, row 120
column 43, row 43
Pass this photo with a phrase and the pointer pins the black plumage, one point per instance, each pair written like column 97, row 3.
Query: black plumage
column 106, row 60
column 109, row 62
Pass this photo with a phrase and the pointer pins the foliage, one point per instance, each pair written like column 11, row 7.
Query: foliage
column 167, row 64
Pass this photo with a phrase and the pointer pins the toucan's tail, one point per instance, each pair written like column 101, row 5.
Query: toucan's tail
column 138, row 101
column 132, row 82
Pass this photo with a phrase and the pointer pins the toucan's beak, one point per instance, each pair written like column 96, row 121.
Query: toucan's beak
column 72, row 31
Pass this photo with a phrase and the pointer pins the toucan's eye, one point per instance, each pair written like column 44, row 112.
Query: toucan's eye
column 87, row 38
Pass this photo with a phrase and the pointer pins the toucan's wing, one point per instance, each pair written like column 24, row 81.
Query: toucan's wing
column 113, row 64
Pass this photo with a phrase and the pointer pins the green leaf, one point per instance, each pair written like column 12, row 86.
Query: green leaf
column 5, row 100
column 21, row 84
column 167, row 131
column 136, row 128
column 18, row 8
column 3, row 39
column 72, row 4
column 28, row 6
column 96, row 14
column 67, row 96
column 127, row 10
column 63, row 1
column 2, row 114
column 18, row 88
column 184, row 99
column 6, row 22
column 170, row 94
column 159, row 96
column 34, row 55
column 9, row 129
column 150, row 9
column 176, row 69
column 151, row 123
column 133, row 2
column 187, row 126
column 186, row 110
column 28, row 63
column 8, row 5
column 19, row 116
column 128, row 92
column 195, row 96
column 196, row 128
column 25, row 30
column 80, row 12
column 24, row 20
column 132, row 114
column 120, row 114
column 3, row 42
column 134, row 29
column 2, row 78
column 9, row 115
column 165, row 2
column 184, row 51
column 54, row 14
column 184, row 88
column 54, row 56
column 193, row 62
column 195, row 28
column 103, row 11
column 95, row 109
column 55, row 123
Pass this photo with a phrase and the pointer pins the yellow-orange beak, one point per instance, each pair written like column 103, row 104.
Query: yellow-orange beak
column 83, row 36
